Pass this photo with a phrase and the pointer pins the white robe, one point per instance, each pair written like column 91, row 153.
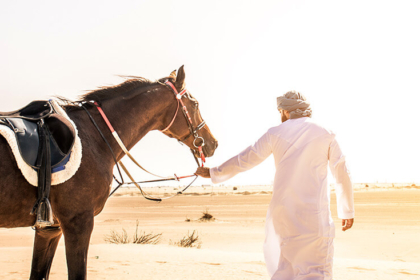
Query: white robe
column 299, row 227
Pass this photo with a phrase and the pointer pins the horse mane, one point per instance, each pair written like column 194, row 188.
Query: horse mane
column 108, row 92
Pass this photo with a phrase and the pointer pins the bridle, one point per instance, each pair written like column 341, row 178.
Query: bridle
column 193, row 132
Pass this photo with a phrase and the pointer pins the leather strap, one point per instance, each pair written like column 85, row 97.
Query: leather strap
column 120, row 142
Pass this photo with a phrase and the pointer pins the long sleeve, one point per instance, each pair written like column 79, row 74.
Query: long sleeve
column 344, row 187
column 247, row 159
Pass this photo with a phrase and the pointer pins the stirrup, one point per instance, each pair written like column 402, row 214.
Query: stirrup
column 44, row 217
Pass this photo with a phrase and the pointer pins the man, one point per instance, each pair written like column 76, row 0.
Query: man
column 299, row 227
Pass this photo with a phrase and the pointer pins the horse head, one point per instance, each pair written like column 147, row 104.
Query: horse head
column 187, row 124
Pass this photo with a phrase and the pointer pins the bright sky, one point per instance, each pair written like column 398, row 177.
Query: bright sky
column 357, row 62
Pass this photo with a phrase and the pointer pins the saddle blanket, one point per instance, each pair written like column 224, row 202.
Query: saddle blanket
column 28, row 172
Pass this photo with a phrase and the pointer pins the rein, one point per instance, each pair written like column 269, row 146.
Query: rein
column 119, row 164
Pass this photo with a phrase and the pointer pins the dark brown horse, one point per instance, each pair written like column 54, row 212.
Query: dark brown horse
column 134, row 108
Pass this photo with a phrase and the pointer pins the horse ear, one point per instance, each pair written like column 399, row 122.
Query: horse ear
column 173, row 75
column 180, row 78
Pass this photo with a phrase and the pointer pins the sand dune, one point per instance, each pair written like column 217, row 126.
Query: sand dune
column 384, row 243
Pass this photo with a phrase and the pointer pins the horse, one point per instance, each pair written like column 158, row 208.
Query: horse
column 134, row 108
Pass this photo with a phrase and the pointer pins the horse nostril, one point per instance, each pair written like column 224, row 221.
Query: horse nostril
column 216, row 144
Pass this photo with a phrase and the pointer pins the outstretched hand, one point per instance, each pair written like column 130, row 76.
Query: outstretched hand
column 347, row 224
column 203, row 172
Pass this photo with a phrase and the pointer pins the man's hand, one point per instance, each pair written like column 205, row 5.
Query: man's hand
column 347, row 224
column 203, row 172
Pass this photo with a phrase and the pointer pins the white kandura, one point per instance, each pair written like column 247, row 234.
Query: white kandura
column 299, row 227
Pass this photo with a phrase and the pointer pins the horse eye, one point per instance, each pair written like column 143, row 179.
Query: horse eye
column 196, row 104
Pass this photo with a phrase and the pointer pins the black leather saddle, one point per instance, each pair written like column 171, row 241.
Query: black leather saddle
column 45, row 139
column 25, row 123
column 34, row 111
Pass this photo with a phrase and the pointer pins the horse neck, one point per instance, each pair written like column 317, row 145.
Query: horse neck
column 132, row 118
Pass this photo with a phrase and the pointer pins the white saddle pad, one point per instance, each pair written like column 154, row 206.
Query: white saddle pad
column 28, row 172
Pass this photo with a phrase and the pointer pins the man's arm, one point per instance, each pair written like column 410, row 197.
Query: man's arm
column 247, row 159
column 344, row 186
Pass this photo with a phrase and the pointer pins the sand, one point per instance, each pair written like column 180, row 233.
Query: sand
column 383, row 244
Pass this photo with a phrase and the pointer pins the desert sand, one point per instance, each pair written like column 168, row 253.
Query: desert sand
column 383, row 244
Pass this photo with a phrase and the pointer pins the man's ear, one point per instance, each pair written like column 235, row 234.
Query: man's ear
column 180, row 78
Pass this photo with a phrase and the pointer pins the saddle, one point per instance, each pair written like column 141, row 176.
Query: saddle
column 45, row 140
column 34, row 111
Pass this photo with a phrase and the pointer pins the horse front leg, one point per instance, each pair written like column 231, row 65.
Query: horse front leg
column 77, row 231
column 45, row 245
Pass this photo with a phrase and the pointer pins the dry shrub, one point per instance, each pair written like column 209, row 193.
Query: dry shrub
column 189, row 241
column 117, row 238
column 144, row 238
column 138, row 238
column 207, row 217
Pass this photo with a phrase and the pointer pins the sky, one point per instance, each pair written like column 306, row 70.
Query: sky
column 357, row 62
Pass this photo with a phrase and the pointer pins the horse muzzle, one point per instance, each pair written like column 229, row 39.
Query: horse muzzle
column 208, row 149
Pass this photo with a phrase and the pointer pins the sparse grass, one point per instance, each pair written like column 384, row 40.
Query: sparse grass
column 207, row 217
column 138, row 238
column 188, row 241
column 117, row 238
column 144, row 238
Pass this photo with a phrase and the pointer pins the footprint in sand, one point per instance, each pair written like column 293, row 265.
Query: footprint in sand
column 252, row 272
column 213, row 263
column 111, row 220
column 406, row 273
column 362, row 268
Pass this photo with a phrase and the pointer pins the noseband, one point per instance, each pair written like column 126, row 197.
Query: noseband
column 198, row 141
